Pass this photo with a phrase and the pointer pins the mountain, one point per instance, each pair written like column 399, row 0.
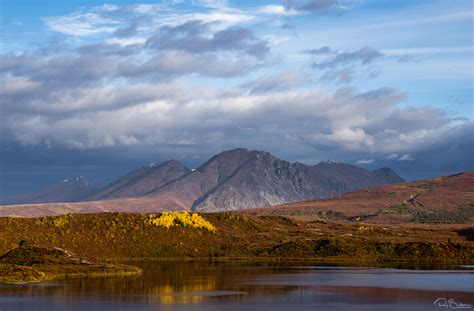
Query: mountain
column 68, row 190
column 232, row 180
column 142, row 181
column 240, row 178
column 445, row 199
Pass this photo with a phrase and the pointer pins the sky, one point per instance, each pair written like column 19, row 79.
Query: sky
column 98, row 88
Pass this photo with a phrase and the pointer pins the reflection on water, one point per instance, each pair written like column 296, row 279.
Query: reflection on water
column 236, row 285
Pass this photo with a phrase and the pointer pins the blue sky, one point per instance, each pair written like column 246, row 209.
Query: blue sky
column 372, row 83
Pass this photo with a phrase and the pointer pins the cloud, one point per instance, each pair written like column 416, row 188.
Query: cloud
column 194, row 37
column 277, row 82
column 127, row 31
column 78, row 24
column 392, row 156
column 105, row 115
column 406, row 157
column 313, row 6
column 343, row 67
column 273, row 9
column 174, row 63
column 363, row 56
column 345, row 75
column 365, row 161
column 11, row 85
column 319, row 51
column 126, row 21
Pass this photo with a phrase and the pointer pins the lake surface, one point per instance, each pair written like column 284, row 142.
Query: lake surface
column 252, row 286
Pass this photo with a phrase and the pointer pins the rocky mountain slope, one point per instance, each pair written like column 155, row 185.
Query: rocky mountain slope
column 239, row 178
column 68, row 190
column 142, row 181
column 232, row 180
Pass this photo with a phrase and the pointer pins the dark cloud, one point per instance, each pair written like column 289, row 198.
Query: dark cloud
column 363, row 56
column 343, row 76
column 192, row 37
column 281, row 81
column 104, row 49
column 320, row 51
column 127, row 31
column 312, row 6
column 344, row 66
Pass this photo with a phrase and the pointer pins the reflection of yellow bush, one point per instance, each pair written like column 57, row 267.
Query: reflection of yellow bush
column 183, row 219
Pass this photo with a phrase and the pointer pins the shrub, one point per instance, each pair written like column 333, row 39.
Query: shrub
column 182, row 219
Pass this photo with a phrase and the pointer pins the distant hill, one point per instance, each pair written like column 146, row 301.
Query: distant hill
column 446, row 199
column 142, row 181
column 68, row 190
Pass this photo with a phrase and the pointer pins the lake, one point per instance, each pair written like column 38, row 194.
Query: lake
column 201, row 285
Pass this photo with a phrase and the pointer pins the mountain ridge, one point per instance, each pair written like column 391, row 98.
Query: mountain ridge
column 239, row 178
column 142, row 180
column 69, row 190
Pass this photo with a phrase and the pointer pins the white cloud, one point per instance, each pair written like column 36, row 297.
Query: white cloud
column 276, row 10
column 406, row 157
column 164, row 113
column 126, row 41
column 11, row 85
column 82, row 24
column 365, row 161
column 392, row 156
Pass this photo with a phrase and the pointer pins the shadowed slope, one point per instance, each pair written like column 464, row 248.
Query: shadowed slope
column 69, row 190
column 142, row 181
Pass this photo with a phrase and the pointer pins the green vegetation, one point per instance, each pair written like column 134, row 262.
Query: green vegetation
column 457, row 216
column 379, row 251
column 27, row 264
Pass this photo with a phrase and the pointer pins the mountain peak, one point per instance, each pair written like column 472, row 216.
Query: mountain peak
column 77, row 179
column 386, row 173
column 143, row 180
column 68, row 190
column 329, row 162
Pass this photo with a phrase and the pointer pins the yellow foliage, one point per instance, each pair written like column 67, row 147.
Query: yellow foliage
column 57, row 221
column 60, row 221
column 363, row 228
column 182, row 219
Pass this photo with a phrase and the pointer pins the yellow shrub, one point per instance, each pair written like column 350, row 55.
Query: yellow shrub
column 363, row 228
column 60, row 221
column 182, row 219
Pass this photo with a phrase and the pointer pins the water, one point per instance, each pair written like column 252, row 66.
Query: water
column 251, row 286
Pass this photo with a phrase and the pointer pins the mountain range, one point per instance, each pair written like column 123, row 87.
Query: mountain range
column 232, row 180
column 68, row 190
